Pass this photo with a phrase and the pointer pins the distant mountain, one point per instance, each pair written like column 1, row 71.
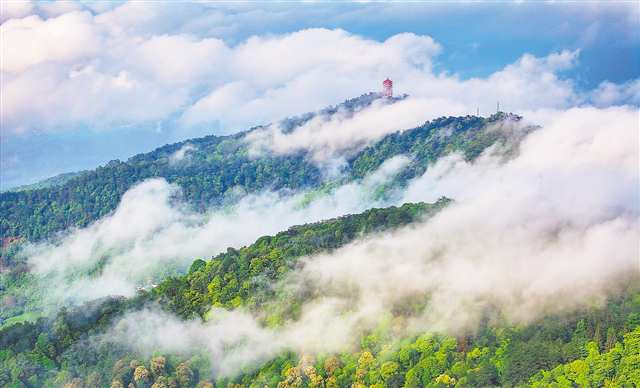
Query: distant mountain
column 597, row 345
column 216, row 164
column 56, row 180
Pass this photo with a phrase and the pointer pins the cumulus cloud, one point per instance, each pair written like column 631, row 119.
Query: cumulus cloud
column 267, row 87
column 33, row 40
column 529, row 83
column 553, row 229
column 178, row 60
column 609, row 93
column 82, row 95
column 218, row 103
column 139, row 66
column 15, row 9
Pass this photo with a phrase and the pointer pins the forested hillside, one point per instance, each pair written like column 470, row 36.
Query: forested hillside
column 278, row 312
column 319, row 194
column 53, row 351
column 219, row 165
column 57, row 180
column 594, row 346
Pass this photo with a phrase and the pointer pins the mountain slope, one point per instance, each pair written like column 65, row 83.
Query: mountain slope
column 51, row 351
column 246, row 276
column 222, row 322
column 592, row 346
column 212, row 168
column 57, row 180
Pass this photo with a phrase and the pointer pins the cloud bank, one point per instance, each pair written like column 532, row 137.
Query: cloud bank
column 552, row 230
column 330, row 137
column 73, row 66
column 152, row 234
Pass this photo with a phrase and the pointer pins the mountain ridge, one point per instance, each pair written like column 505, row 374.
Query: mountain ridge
column 216, row 164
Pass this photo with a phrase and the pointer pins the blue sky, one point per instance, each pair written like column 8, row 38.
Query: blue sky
column 84, row 83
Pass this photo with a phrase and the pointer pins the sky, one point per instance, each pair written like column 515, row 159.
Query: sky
column 87, row 82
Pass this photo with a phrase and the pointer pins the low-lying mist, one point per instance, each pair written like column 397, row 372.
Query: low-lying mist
column 326, row 138
column 552, row 229
column 152, row 234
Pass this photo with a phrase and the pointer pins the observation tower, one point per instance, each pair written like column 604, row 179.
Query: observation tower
column 387, row 88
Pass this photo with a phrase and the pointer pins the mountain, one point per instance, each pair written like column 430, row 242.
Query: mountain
column 57, row 180
column 219, row 165
column 245, row 317
column 272, row 257
column 596, row 346
column 61, row 343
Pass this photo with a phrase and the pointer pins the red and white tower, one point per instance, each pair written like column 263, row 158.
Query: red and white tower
column 387, row 88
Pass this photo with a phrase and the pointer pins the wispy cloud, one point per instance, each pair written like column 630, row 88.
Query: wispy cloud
column 182, row 154
column 553, row 229
column 328, row 137
column 153, row 233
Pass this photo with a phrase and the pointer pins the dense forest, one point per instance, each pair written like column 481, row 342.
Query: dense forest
column 219, row 165
column 596, row 346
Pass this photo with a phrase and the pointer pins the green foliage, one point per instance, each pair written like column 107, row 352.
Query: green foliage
column 219, row 165
column 57, row 180
column 243, row 276
column 594, row 347
column 618, row 367
column 563, row 350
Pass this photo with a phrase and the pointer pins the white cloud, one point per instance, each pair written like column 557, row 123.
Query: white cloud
column 200, row 81
column 554, row 229
column 326, row 138
column 609, row 93
column 83, row 95
column 329, row 65
column 15, row 9
column 68, row 38
column 181, row 154
column 529, row 83
column 152, row 233
column 59, row 7
column 268, row 62
column 178, row 59
column 227, row 98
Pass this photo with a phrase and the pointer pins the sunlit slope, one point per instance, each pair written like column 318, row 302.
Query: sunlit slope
column 65, row 344
column 596, row 345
